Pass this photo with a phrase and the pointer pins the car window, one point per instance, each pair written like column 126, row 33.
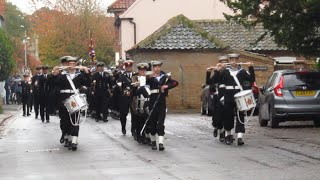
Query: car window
column 271, row 81
column 309, row 80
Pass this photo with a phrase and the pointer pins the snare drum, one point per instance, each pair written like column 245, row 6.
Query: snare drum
column 75, row 103
column 245, row 100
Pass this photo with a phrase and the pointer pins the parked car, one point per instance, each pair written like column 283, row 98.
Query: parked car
column 206, row 100
column 290, row 96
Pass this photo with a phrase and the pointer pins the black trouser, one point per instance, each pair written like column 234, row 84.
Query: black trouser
column 140, row 119
column 156, row 121
column 217, row 116
column 230, row 111
column 44, row 108
column 65, row 124
column 102, row 103
column 36, row 103
column 125, row 102
column 26, row 104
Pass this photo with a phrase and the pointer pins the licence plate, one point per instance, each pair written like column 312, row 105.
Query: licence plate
column 305, row 93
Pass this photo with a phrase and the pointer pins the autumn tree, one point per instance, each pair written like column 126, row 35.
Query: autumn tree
column 63, row 28
column 294, row 24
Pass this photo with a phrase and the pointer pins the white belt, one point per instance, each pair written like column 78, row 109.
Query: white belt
column 222, row 86
column 67, row 91
column 232, row 87
column 154, row 91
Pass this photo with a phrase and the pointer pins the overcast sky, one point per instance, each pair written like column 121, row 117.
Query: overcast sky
column 25, row 7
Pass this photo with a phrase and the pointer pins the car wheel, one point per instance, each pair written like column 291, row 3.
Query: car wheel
column 262, row 122
column 273, row 121
column 316, row 123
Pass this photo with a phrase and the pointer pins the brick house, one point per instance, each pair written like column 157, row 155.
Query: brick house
column 188, row 47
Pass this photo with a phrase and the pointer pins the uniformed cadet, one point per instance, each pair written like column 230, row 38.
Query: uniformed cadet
column 36, row 91
column 140, row 102
column 229, row 108
column 125, row 96
column 80, row 78
column 217, row 115
column 102, row 86
column 26, row 91
column 44, row 90
column 159, row 84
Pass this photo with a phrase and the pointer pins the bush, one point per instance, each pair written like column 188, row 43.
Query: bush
column 1, row 110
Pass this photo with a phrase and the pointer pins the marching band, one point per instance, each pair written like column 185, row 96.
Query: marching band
column 76, row 91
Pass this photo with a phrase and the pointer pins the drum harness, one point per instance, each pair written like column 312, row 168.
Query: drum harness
column 77, row 117
column 234, row 75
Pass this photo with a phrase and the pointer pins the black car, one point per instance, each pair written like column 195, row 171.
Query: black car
column 290, row 96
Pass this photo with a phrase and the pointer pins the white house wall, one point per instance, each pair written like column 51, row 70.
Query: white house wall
column 150, row 15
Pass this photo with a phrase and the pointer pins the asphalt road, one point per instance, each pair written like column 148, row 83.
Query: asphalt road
column 30, row 149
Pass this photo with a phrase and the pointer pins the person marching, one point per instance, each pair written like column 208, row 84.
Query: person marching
column 159, row 84
column 229, row 77
column 26, row 92
column 140, row 102
column 70, row 131
column 44, row 90
column 125, row 96
column 102, row 84
column 36, row 90
column 217, row 115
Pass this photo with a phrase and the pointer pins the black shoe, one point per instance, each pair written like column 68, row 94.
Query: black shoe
column 66, row 143
column 161, row 147
column 28, row 114
column 229, row 140
column 105, row 120
column 124, row 132
column 74, row 147
column 70, row 146
column 36, row 117
column 240, row 142
column 215, row 132
column 97, row 120
column 222, row 137
column 48, row 121
column 24, row 115
column 154, row 145
column 42, row 120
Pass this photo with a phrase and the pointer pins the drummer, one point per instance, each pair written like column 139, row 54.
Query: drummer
column 79, row 78
column 227, row 77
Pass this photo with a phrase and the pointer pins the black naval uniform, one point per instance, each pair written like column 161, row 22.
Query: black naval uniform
column 44, row 87
column 65, row 89
column 26, row 92
column 229, row 108
column 36, row 93
column 158, row 105
column 125, row 100
column 217, row 115
column 102, row 88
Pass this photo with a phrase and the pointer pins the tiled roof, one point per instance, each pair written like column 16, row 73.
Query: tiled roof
column 121, row 4
column 181, row 33
column 240, row 38
column 178, row 34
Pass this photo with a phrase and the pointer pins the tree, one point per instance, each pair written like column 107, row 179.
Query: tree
column 294, row 24
column 6, row 60
column 63, row 28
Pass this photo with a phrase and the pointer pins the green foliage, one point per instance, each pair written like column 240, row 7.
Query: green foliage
column 6, row 60
column 1, row 109
column 294, row 24
column 14, row 19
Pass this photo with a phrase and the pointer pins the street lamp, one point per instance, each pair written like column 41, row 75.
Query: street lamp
column 25, row 41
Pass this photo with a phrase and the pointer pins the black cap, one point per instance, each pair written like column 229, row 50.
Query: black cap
column 45, row 67
column 38, row 67
column 100, row 64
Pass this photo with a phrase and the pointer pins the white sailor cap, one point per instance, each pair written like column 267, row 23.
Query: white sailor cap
column 234, row 55
column 223, row 58
column 72, row 59
column 143, row 66
column 156, row 63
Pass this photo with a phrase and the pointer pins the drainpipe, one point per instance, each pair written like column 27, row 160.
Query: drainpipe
column 134, row 29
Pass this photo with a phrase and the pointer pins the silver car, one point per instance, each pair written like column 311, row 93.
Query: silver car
column 290, row 96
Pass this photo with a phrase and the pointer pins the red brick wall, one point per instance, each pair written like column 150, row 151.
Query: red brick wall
column 189, row 68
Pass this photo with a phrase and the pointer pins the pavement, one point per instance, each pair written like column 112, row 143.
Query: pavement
column 8, row 112
column 30, row 149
